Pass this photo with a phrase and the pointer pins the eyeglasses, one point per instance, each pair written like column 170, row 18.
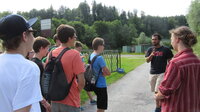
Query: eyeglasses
column 75, row 36
column 32, row 31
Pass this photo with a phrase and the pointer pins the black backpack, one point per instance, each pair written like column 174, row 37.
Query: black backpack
column 90, row 77
column 55, row 86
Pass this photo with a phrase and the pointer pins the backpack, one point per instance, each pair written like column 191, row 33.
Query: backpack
column 55, row 86
column 90, row 77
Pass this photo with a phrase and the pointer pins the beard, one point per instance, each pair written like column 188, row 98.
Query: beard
column 155, row 44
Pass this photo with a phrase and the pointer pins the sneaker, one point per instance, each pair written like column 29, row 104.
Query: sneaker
column 158, row 110
column 82, row 108
column 93, row 102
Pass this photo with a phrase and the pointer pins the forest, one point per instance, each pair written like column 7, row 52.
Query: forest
column 118, row 28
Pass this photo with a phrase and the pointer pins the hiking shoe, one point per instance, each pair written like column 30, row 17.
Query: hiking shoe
column 93, row 102
column 157, row 110
column 82, row 108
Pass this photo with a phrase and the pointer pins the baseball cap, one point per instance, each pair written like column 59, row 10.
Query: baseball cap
column 14, row 25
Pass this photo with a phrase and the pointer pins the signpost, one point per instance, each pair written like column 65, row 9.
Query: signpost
column 46, row 27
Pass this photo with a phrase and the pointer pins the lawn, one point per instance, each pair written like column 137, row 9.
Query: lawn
column 128, row 64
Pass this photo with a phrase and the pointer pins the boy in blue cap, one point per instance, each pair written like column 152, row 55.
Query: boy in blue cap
column 19, row 83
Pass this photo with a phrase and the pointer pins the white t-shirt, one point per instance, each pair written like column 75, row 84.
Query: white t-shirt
column 19, row 83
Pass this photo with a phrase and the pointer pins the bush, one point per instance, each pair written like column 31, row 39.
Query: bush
column 197, row 47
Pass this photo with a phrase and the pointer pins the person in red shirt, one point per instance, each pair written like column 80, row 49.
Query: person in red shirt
column 180, row 89
column 73, row 67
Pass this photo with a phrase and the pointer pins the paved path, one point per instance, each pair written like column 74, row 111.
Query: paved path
column 129, row 94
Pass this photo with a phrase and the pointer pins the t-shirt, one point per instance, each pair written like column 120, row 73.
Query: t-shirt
column 40, row 65
column 98, row 64
column 72, row 65
column 50, row 49
column 83, row 60
column 159, row 61
column 19, row 83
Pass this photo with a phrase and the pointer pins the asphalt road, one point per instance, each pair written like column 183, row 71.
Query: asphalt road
column 129, row 94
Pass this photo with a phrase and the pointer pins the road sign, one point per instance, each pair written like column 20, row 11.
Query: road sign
column 45, row 24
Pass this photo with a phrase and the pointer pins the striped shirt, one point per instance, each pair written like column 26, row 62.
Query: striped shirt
column 181, row 83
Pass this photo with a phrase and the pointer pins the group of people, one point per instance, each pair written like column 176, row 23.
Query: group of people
column 175, row 79
column 176, row 86
column 22, row 65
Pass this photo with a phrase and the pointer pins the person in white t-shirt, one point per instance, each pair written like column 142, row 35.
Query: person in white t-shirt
column 19, row 78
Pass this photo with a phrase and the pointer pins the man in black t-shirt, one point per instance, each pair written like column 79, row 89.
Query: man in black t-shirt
column 40, row 47
column 158, row 56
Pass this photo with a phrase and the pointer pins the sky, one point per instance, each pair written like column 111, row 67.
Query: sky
column 150, row 7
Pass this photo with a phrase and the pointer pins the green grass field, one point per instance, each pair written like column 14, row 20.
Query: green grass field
column 128, row 64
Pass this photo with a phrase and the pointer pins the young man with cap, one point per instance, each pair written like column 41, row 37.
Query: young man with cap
column 19, row 83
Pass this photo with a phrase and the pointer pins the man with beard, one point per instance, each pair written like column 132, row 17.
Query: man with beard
column 158, row 55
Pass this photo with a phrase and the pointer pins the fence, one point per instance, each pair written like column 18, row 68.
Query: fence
column 112, row 58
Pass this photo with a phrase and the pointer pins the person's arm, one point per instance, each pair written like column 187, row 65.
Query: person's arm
column 46, row 104
column 159, row 96
column 106, row 71
column 171, row 81
column 81, row 81
column 25, row 109
column 149, row 58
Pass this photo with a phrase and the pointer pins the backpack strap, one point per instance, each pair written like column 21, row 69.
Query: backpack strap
column 50, row 55
column 59, row 57
column 61, row 53
column 89, row 62
column 95, row 57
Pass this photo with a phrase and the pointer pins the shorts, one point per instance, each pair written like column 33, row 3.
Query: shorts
column 155, row 80
column 102, row 98
column 58, row 107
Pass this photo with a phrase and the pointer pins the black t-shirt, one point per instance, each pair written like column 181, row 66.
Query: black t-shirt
column 40, row 65
column 159, row 61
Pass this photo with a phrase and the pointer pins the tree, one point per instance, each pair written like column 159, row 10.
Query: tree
column 123, row 17
column 80, row 29
column 50, row 12
column 142, row 38
column 61, row 12
column 194, row 22
column 5, row 13
column 194, row 15
column 85, row 15
column 89, row 35
column 101, row 28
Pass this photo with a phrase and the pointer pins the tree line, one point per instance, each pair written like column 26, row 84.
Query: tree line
column 194, row 22
column 117, row 28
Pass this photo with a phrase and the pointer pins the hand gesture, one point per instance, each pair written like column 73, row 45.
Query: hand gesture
column 46, row 105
